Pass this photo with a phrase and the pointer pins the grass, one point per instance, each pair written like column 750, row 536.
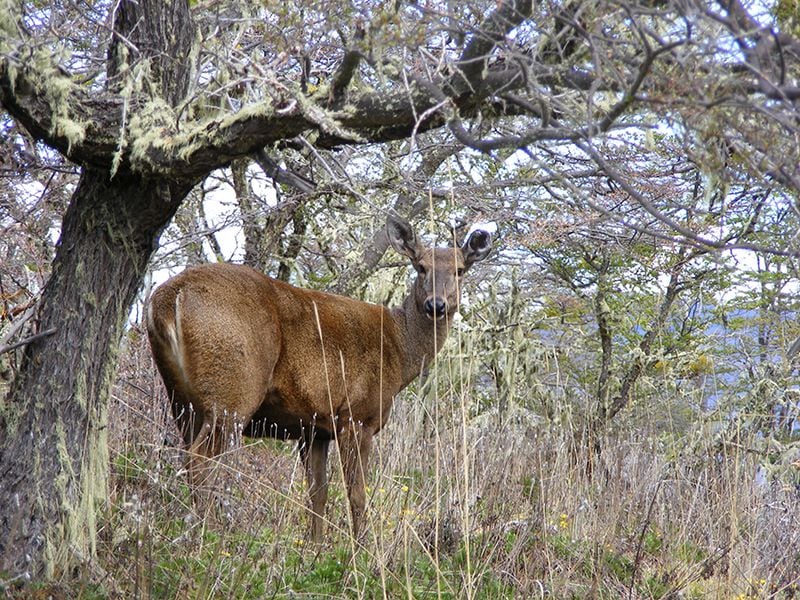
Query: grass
column 459, row 507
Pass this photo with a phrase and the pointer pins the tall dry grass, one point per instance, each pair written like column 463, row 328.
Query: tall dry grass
column 461, row 505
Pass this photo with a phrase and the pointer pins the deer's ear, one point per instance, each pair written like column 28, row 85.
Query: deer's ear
column 476, row 247
column 402, row 237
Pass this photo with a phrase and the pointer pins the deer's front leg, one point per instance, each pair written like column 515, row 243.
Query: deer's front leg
column 355, row 442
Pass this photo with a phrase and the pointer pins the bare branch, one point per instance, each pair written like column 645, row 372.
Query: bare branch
column 408, row 205
column 28, row 340
column 283, row 176
column 471, row 67
column 697, row 241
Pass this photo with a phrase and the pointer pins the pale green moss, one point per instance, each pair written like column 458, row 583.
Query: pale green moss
column 94, row 473
column 9, row 17
column 62, row 526
column 157, row 117
column 73, row 131
column 72, row 538
column 324, row 119
column 152, row 126
column 206, row 132
column 255, row 110
column 153, row 130
column 42, row 72
column 57, row 90
column 125, row 93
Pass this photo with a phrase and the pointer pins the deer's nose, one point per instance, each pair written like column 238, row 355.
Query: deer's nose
column 435, row 308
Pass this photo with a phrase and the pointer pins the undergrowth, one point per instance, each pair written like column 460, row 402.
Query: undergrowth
column 460, row 506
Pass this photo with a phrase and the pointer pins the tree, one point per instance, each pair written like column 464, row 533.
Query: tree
column 140, row 156
column 148, row 98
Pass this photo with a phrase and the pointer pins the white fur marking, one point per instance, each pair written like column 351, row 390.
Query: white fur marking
column 176, row 340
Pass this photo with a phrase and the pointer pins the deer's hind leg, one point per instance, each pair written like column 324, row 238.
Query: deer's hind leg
column 209, row 453
column 198, row 455
column 189, row 422
column 196, row 429
column 314, row 453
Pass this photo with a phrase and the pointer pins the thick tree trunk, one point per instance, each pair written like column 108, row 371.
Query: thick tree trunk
column 53, row 454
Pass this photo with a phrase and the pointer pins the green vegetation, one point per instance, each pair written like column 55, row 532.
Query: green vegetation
column 529, row 520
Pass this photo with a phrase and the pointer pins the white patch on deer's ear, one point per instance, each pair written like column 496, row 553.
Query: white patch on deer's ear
column 476, row 247
column 402, row 237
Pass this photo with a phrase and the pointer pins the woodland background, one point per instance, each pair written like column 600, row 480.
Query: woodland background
column 617, row 412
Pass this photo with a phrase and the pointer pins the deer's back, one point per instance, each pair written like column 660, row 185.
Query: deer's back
column 230, row 337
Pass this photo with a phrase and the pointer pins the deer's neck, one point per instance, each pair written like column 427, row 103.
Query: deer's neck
column 421, row 337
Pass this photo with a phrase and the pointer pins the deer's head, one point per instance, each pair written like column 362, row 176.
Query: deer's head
column 439, row 270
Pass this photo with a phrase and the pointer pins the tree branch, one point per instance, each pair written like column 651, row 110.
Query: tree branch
column 28, row 340
column 88, row 134
column 350, row 279
column 283, row 176
column 762, row 48
column 344, row 74
column 471, row 67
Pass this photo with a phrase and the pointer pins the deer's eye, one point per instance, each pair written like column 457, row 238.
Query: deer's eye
column 421, row 270
column 460, row 272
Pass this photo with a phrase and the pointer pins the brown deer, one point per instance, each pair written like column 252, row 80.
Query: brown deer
column 241, row 353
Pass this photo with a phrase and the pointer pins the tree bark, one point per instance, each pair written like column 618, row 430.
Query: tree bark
column 53, row 453
column 53, row 448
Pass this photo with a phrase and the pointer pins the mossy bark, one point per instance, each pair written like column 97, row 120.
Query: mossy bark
column 53, row 452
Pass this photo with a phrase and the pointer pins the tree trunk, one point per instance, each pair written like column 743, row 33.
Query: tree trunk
column 603, row 316
column 53, row 453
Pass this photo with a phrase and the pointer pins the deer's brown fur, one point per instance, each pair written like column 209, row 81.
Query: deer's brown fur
column 240, row 352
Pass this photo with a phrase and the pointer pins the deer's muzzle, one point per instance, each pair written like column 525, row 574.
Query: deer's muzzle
column 435, row 308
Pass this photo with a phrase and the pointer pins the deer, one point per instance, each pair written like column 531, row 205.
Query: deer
column 241, row 353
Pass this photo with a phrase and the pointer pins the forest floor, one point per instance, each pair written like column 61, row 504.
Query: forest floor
column 459, row 506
